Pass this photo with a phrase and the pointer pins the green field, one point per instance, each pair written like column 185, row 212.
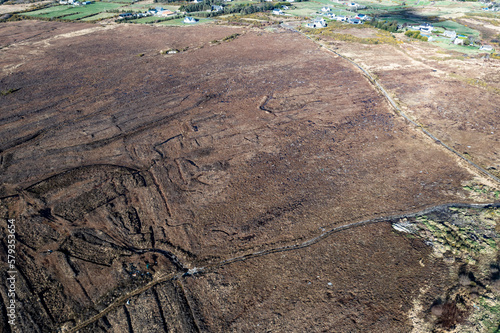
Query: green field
column 139, row 7
column 73, row 12
column 458, row 48
column 120, row 1
column 77, row 16
column 46, row 10
column 459, row 29
column 98, row 17
column 149, row 19
column 179, row 21
column 305, row 9
column 97, row 10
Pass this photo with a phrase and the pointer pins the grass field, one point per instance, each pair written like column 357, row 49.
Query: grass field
column 98, row 17
column 73, row 12
column 460, row 29
column 305, row 9
column 458, row 48
column 179, row 22
column 140, row 7
column 120, row 1
column 78, row 16
column 46, row 10
column 149, row 19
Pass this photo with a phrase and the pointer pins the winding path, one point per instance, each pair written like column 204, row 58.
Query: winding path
column 198, row 270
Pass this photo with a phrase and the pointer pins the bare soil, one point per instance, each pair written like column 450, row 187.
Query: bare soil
column 121, row 163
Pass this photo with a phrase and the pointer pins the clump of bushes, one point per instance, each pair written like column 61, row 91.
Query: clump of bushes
column 391, row 26
column 230, row 37
column 416, row 34
column 10, row 91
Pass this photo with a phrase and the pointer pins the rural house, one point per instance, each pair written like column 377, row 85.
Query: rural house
column 189, row 19
column 486, row 48
column 450, row 34
column 425, row 27
column 217, row 8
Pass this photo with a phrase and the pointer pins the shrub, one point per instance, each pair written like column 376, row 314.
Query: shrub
column 391, row 26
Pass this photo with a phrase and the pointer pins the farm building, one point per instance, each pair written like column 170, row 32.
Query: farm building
column 317, row 23
column 320, row 22
column 363, row 17
column 426, row 27
column 486, row 48
column 450, row 34
column 164, row 13
column 125, row 16
column 189, row 19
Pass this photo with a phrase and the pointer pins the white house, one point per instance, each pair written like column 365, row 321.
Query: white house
column 331, row 16
column 189, row 19
column 341, row 18
column 352, row 6
column 363, row 17
column 450, row 34
column 125, row 16
column 217, row 8
column 62, row 2
column 458, row 41
column 326, row 9
column 486, row 48
column 278, row 11
column 426, row 27
column 319, row 23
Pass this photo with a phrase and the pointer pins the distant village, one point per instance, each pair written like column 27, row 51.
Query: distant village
column 426, row 31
